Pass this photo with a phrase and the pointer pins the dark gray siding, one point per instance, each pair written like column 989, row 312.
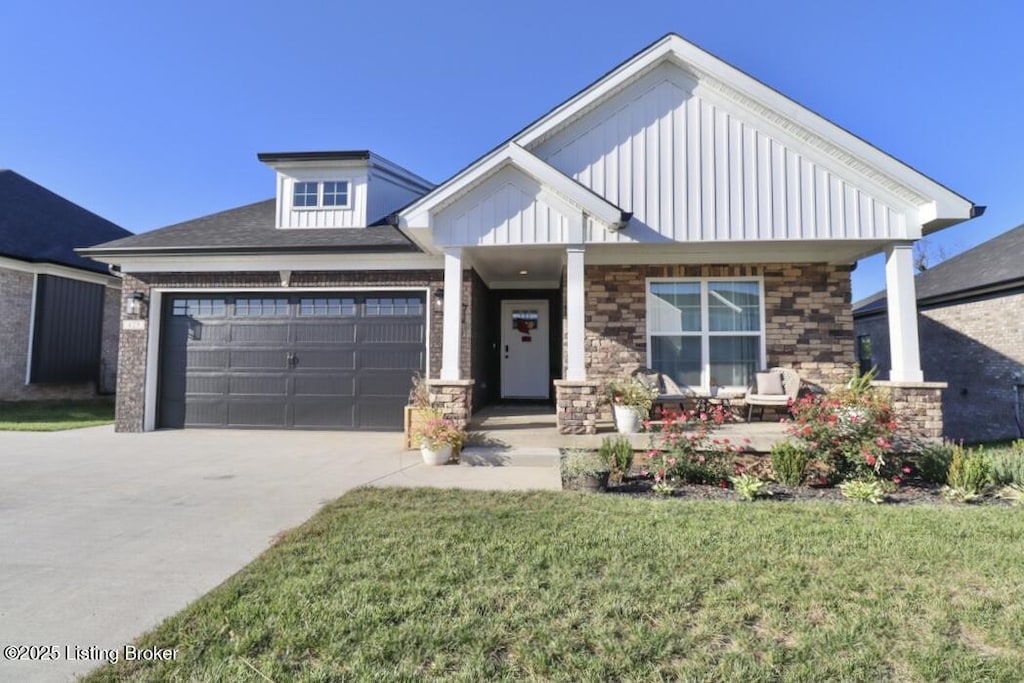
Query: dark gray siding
column 68, row 330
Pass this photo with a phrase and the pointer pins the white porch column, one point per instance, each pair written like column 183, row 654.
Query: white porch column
column 575, row 296
column 902, row 301
column 452, row 338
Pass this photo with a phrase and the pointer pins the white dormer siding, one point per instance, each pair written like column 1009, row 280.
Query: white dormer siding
column 693, row 164
column 376, row 187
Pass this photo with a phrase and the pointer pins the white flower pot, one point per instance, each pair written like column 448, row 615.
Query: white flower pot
column 626, row 419
column 439, row 456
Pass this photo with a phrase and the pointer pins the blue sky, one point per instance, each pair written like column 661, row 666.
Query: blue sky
column 150, row 113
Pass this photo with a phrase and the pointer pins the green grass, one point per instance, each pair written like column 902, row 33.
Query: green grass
column 410, row 584
column 52, row 416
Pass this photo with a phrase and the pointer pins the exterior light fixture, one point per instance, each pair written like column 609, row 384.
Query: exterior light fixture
column 136, row 305
column 523, row 271
column 439, row 298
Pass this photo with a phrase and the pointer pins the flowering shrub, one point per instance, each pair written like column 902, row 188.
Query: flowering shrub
column 851, row 431
column 436, row 430
column 683, row 450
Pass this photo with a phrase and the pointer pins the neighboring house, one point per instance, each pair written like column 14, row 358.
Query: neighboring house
column 59, row 312
column 971, row 321
column 676, row 214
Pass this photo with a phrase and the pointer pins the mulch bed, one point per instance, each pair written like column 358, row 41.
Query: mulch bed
column 910, row 493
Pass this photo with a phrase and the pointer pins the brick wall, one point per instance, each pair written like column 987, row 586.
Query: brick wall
column 808, row 326
column 132, row 350
column 15, row 325
column 976, row 346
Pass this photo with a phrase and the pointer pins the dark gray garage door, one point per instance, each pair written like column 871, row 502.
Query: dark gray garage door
column 315, row 360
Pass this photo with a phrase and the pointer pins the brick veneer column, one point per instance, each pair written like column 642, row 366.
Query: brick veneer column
column 918, row 407
column 453, row 397
column 577, row 406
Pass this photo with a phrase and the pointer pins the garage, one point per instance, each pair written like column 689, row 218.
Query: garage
column 314, row 360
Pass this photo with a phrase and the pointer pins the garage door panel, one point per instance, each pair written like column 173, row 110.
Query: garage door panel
column 391, row 331
column 216, row 385
column 259, row 333
column 325, row 333
column 258, row 385
column 201, row 412
column 207, row 359
column 259, row 359
column 246, row 412
column 324, row 385
column 391, row 359
column 223, row 363
column 336, row 412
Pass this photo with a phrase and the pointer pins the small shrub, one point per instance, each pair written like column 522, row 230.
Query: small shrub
column 583, row 463
column 789, row 463
column 1013, row 493
column 933, row 462
column 968, row 476
column 748, row 487
column 864, row 490
column 618, row 453
column 1008, row 464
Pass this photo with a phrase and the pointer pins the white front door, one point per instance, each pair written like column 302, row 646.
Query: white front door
column 525, row 371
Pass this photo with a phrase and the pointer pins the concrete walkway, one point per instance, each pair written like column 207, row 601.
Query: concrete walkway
column 104, row 535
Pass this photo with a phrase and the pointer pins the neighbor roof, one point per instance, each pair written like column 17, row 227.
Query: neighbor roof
column 996, row 263
column 251, row 228
column 40, row 226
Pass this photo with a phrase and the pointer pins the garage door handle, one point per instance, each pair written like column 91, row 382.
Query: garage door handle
column 292, row 360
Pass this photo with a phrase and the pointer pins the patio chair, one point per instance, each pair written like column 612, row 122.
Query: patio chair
column 669, row 393
column 768, row 391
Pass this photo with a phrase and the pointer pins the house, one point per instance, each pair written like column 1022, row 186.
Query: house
column 971, row 320
column 59, row 311
column 676, row 214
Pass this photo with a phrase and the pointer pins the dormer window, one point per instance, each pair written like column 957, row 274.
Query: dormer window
column 313, row 195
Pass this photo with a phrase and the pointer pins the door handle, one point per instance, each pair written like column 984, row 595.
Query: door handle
column 292, row 359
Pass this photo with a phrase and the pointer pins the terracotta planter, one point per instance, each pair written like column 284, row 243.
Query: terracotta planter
column 436, row 456
column 627, row 420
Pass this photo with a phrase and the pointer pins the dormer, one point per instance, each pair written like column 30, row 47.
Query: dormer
column 347, row 189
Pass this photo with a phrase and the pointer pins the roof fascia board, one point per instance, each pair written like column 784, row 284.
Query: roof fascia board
column 833, row 139
column 44, row 268
column 275, row 262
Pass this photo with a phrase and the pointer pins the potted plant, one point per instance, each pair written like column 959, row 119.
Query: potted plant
column 584, row 471
column 438, row 437
column 631, row 403
column 417, row 410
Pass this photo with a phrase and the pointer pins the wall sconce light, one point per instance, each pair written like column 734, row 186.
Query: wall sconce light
column 136, row 305
column 439, row 298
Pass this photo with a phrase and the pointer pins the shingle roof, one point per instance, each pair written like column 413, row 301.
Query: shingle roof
column 38, row 225
column 999, row 261
column 251, row 228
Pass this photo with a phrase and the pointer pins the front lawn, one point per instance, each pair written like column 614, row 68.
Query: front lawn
column 52, row 416
column 405, row 584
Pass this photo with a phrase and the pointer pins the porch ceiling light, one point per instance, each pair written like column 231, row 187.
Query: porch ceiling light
column 523, row 271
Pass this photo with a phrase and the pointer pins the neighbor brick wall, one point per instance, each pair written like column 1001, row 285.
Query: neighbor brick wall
column 132, row 352
column 975, row 346
column 809, row 324
column 15, row 323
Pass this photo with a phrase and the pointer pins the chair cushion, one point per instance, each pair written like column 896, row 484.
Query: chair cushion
column 668, row 386
column 769, row 384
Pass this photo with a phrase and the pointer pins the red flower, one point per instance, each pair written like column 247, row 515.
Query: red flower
column 870, row 459
column 897, row 480
column 906, row 469
column 724, row 484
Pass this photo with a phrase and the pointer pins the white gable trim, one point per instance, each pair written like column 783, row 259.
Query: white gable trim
column 937, row 204
column 418, row 214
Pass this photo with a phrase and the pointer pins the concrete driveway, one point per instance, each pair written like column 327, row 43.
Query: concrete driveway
column 104, row 535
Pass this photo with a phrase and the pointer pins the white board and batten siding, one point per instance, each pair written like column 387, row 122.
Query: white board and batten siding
column 508, row 207
column 693, row 165
column 352, row 216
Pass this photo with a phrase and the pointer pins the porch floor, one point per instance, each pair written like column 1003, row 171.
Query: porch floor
column 529, row 428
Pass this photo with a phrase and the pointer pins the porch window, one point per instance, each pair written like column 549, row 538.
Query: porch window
column 706, row 332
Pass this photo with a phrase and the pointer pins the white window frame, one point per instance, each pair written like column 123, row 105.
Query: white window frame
column 320, row 206
column 705, row 333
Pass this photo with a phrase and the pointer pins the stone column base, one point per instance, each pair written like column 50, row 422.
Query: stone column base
column 453, row 397
column 577, row 406
column 917, row 407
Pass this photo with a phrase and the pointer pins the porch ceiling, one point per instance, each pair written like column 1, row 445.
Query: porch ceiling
column 502, row 267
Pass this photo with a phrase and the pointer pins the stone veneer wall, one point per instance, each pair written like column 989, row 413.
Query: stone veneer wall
column 808, row 326
column 15, row 326
column 133, row 343
column 454, row 398
column 917, row 407
column 976, row 346
column 577, row 406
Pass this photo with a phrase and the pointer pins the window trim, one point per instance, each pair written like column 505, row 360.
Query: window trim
column 320, row 206
column 705, row 333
